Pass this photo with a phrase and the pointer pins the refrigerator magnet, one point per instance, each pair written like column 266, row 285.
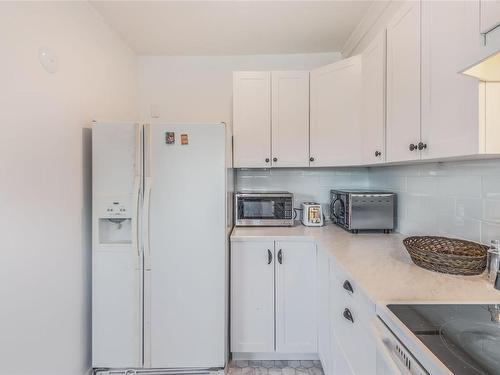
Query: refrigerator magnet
column 184, row 139
column 169, row 138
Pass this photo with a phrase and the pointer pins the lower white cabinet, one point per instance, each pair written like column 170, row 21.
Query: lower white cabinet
column 351, row 315
column 340, row 364
column 252, row 296
column 289, row 298
column 273, row 297
column 295, row 297
column 324, row 327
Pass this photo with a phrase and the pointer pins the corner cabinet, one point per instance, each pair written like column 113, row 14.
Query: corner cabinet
column 273, row 297
column 271, row 119
column 373, row 108
column 433, row 111
column 403, row 84
column 450, row 101
column 290, row 119
column 335, row 114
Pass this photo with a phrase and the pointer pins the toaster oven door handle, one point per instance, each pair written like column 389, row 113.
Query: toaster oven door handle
column 332, row 208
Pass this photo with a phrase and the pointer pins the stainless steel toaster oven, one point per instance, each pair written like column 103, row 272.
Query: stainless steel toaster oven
column 356, row 210
column 264, row 208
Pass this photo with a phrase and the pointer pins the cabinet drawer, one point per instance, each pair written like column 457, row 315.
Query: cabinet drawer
column 351, row 315
column 354, row 337
column 346, row 292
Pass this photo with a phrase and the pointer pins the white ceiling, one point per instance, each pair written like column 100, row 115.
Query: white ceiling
column 233, row 27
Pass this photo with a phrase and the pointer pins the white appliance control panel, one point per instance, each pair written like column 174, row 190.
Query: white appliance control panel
column 115, row 208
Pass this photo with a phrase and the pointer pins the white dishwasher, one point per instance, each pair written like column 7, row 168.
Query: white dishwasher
column 392, row 356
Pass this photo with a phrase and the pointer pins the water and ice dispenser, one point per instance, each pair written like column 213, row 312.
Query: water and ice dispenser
column 115, row 224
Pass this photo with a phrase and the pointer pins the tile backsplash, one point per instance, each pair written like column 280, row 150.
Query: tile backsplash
column 457, row 199
column 307, row 184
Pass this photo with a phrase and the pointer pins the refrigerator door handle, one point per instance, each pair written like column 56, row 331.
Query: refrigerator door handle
column 147, row 215
column 136, row 215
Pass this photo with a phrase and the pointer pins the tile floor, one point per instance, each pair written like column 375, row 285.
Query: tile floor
column 275, row 368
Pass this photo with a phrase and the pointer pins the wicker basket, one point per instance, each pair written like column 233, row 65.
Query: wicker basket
column 447, row 255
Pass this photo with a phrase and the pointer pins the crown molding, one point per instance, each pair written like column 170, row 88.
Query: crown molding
column 373, row 14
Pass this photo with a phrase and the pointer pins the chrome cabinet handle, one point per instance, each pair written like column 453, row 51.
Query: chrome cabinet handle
column 311, row 159
column 280, row 256
column 269, row 256
column 347, row 314
column 267, row 160
column 378, row 153
column 412, row 147
column 347, row 286
column 275, row 159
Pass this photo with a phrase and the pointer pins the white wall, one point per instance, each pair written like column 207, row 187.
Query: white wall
column 457, row 199
column 45, row 183
column 199, row 88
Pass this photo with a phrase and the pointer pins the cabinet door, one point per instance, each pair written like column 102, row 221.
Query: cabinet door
column 252, row 119
column 340, row 364
column 373, row 110
column 403, row 83
column 290, row 119
column 450, row 118
column 252, row 296
column 490, row 15
column 324, row 344
column 351, row 317
column 335, row 114
column 296, row 297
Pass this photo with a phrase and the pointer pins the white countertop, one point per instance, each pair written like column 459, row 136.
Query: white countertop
column 380, row 265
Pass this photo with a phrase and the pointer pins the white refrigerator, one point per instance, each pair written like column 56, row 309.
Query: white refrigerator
column 162, row 216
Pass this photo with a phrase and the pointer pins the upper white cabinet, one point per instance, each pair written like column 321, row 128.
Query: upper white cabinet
column 290, row 119
column 271, row 119
column 252, row 119
column 403, row 84
column 403, row 99
column 490, row 15
column 450, row 115
column 373, row 99
column 335, row 114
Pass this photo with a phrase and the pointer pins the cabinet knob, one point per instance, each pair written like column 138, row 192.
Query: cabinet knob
column 311, row 159
column 269, row 256
column 422, row 146
column 378, row 153
column 275, row 159
column 412, row 147
column 348, row 315
column 347, row 286
column 267, row 160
